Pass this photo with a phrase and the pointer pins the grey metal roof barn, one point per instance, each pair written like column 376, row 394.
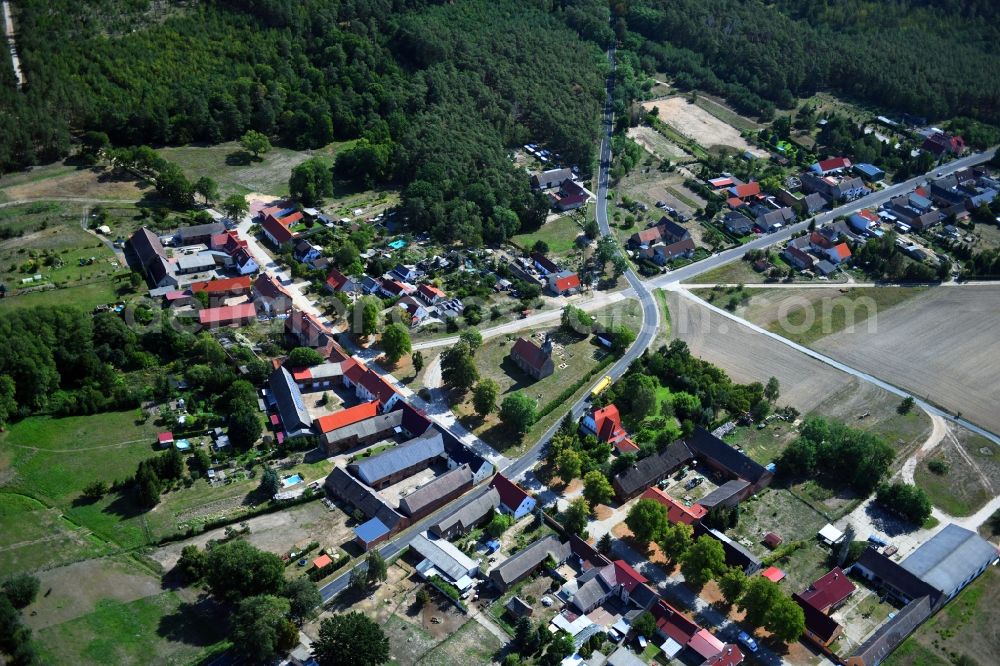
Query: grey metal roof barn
column 652, row 469
column 445, row 557
column 951, row 559
column 406, row 455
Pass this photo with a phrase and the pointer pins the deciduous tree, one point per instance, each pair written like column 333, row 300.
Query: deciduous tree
column 350, row 639
column 647, row 520
column 517, row 413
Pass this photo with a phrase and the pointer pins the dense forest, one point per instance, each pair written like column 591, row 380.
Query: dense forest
column 435, row 92
column 932, row 58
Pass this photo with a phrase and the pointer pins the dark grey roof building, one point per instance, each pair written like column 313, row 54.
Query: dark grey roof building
column 466, row 517
column 199, row 233
column 710, row 449
column 888, row 637
column 729, row 493
column 521, row 564
column 893, row 578
column 400, row 461
column 653, row 469
column 286, row 397
column 438, row 492
column 345, row 487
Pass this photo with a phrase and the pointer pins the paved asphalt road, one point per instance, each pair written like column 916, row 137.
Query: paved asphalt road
column 651, row 313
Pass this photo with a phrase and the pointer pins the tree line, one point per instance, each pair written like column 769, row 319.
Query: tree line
column 762, row 55
column 433, row 95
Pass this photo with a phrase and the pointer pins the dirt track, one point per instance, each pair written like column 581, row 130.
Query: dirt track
column 944, row 345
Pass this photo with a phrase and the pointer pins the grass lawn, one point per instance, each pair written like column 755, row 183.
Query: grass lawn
column 236, row 173
column 965, row 627
column 131, row 633
column 559, row 235
column 579, row 355
column 970, row 475
column 33, row 535
column 86, row 296
column 735, row 272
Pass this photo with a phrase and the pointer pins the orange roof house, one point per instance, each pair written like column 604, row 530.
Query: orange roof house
column 235, row 286
column 606, row 425
column 228, row 315
column 676, row 511
column 346, row 417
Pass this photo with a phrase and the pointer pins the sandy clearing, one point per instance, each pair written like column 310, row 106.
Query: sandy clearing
column 748, row 356
column 944, row 346
column 698, row 124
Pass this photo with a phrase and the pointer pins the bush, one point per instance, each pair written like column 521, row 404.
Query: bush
column 905, row 500
column 938, row 467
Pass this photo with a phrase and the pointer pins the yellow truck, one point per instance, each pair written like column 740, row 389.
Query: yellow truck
column 601, row 387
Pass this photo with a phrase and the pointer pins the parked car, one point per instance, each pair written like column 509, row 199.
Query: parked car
column 877, row 540
column 747, row 641
column 696, row 481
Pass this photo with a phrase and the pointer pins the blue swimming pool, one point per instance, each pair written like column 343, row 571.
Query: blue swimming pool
column 182, row 444
column 291, row 480
column 398, row 244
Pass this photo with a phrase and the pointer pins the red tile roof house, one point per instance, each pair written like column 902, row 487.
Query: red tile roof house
column 394, row 288
column 430, row 294
column 271, row 296
column 569, row 196
column 731, row 655
column 706, row 645
column 346, row 417
column 832, row 165
column 676, row 511
column 369, row 385
column 745, row 191
column 228, row 315
column 165, row 439
column 606, row 425
column 839, row 253
column 276, row 222
column 513, row 500
column 564, row 283
column 337, row 281
column 828, row 592
column 670, row 623
column 224, row 288
column 534, row 360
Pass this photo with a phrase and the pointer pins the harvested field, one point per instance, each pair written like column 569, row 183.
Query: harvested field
column 750, row 357
column 90, row 183
column 77, row 589
column 943, row 345
column 657, row 144
column 698, row 124
column 805, row 315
